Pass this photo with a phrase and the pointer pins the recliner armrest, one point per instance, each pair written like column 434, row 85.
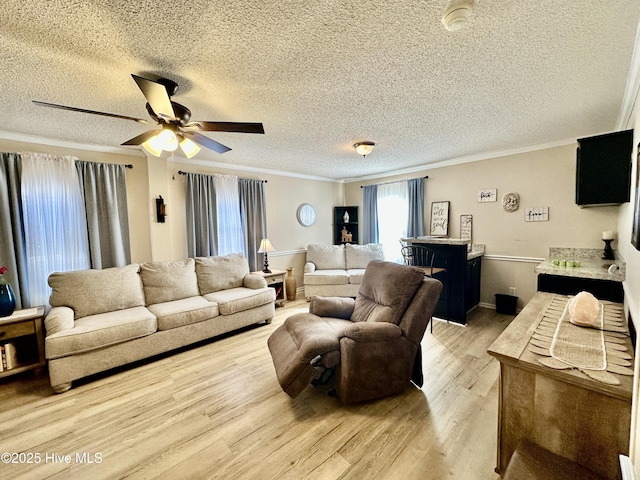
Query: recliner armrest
column 254, row 281
column 335, row 307
column 59, row 319
column 372, row 331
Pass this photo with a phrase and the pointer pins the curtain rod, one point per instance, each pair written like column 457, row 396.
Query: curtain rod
column 128, row 165
column 393, row 181
column 180, row 172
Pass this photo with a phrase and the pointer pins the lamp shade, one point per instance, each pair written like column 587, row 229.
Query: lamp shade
column 188, row 147
column 152, row 146
column 265, row 246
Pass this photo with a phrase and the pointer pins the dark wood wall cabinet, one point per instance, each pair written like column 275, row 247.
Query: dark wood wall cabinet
column 345, row 225
column 603, row 170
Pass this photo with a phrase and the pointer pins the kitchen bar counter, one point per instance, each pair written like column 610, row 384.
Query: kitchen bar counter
column 591, row 264
column 594, row 274
column 461, row 278
column 477, row 249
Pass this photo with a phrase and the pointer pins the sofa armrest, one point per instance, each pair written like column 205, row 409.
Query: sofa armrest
column 336, row 307
column 254, row 281
column 58, row 319
column 309, row 267
column 364, row 332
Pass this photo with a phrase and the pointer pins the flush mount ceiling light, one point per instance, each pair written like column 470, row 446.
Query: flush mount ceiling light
column 364, row 148
column 457, row 16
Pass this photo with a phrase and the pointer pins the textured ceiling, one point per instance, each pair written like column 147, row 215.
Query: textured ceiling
column 323, row 75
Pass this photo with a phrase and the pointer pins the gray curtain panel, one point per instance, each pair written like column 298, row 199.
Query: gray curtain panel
column 202, row 229
column 254, row 219
column 105, row 197
column 12, row 244
column 415, row 225
column 370, row 220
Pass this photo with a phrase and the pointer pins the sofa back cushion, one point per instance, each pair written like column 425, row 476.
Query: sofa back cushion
column 386, row 291
column 220, row 273
column 326, row 257
column 90, row 292
column 359, row 256
column 168, row 281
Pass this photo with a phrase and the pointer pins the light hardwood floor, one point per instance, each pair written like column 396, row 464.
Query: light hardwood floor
column 217, row 411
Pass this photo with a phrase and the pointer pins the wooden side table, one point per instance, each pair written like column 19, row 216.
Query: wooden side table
column 24, row 330
column 275, row 279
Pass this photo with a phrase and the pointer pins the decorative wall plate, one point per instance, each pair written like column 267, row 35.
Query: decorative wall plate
column 306, row 215
column 510, row 202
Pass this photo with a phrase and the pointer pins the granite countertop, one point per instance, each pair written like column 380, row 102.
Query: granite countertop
column 591, row 264
column 476, row 250
column 437, row 240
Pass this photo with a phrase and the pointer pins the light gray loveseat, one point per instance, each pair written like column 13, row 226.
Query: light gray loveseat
column 103, row 319
column 337, row 270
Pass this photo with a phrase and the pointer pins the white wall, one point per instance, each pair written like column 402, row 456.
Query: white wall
column 632, row 282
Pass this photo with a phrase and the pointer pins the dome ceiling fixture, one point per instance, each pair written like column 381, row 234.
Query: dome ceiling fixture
column 457, row 16
column 364, row 148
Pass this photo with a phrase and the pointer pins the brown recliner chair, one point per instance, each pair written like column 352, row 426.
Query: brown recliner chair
column 372, row 343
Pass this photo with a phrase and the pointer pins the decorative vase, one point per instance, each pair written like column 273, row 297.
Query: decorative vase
column 291, row 284
column 7, row 300
column 345, row 217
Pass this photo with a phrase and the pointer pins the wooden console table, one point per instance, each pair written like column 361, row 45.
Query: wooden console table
column 563, row 411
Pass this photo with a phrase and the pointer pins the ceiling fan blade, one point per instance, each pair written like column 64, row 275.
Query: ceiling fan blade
column 83, row 110
column 228, row 127
column 206, row 142
column 157, row 96
column 140, row 139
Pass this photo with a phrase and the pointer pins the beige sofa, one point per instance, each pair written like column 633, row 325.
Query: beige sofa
column 337, row 270
column 103, row 319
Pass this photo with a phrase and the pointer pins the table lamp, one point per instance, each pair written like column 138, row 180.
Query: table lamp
column 265, row 247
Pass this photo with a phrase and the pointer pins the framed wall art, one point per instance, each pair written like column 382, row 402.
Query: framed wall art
column 466, row 227
column 439, row 219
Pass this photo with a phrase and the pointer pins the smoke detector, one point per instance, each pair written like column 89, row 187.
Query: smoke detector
column 457, row 16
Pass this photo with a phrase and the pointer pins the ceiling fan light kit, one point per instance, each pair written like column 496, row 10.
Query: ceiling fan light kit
column 457, row 16
column 364, row 148
column 177, row 130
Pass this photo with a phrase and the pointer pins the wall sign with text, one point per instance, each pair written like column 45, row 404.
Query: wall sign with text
column 439, row 219
column 488, row 195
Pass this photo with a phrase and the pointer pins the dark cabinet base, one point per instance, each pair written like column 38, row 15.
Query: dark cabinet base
column 601, row 289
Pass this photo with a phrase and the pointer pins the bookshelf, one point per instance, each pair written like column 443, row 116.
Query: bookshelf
column 345, row 223
column 22, row 341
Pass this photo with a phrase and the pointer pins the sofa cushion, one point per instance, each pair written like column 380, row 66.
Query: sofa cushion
column 97, row 331
column 90, row 292
column 327, row 257
column 355, row 275
column 167, row 281
column 186, row 311
column 326, row 277
column 238, row 299
column 359, row 256
column 220, row 273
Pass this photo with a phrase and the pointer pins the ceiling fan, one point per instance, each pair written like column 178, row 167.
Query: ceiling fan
column 174, row 120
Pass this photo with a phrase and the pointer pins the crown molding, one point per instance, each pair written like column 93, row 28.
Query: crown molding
column 461, row 160
column 263, row 171
column 54, row 142
column 632, row 89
